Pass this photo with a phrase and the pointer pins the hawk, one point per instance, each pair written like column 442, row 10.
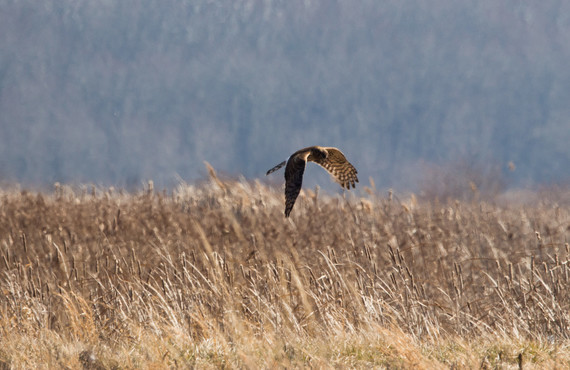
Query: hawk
column 331, row 159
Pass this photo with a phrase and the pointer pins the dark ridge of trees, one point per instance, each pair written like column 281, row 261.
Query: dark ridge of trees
column 116, row 92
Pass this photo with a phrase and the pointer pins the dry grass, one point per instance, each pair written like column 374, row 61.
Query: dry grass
column 214, row 276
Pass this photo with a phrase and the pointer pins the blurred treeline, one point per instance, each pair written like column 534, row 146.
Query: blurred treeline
column 118, row 91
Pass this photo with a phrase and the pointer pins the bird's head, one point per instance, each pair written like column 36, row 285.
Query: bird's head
column 319, row 153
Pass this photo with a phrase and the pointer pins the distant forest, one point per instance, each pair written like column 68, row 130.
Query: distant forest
column 115, row 92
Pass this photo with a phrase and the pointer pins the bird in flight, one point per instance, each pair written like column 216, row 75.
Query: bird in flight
column 331, row 159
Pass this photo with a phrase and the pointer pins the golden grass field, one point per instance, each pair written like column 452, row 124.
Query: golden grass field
column 213, row 276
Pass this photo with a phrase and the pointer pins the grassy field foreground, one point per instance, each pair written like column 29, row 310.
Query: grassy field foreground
column 213, row 275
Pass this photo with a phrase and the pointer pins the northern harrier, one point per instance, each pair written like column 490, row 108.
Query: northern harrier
column 331, row 159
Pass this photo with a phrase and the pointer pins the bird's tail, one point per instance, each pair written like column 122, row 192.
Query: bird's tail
column 276, row 167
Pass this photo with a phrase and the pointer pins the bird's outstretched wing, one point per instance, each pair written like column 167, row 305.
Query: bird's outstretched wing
column 338, row 166
column 293, row 181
